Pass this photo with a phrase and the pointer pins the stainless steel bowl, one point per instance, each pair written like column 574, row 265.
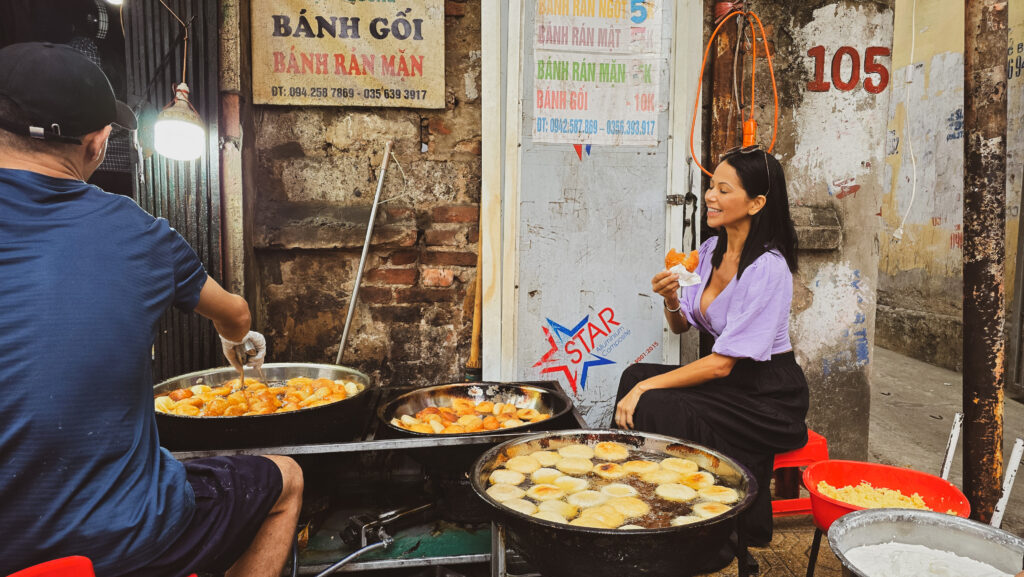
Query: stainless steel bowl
column 939, row 531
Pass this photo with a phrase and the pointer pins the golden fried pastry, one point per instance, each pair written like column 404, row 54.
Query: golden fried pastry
column 610, row 471
column 522, row 505
column 546, row 458
column 550, row 516
column 630, row 527
column 719, row 494
column 508, row 424
column 605, row 514
column 619, row 490
column 699, row 480
column 711, row 509
column 629, row 507
column 506, row 476
column 574, row 466
column 679, row 465
column 685, row 520
column 233, row 399
column 559, row 507
column 523, row 464
column 576, row 451
column 545, row 492
column 502, row 492
column 528, row 414
column 610, row 451
column 640, row 467
column 675, row 492
column 588, row 498
column 661, row 477
column 591, row 522
column 571, row 484
column 545, row 476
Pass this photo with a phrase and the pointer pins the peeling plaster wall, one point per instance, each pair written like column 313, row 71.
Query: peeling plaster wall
column 920, row 297
column 312, row 180
column 832, row 144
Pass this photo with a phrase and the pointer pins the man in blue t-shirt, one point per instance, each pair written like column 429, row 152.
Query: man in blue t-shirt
column 84, row 278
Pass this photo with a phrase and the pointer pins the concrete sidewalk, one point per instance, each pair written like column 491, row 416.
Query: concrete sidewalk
column 912, row 408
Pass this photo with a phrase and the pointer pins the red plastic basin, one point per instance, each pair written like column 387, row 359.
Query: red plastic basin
column 938, row 494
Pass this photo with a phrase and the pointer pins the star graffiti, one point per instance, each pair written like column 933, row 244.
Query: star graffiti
column 572, row 355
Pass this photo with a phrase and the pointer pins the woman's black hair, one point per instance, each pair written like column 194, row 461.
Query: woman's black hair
column 771, row 228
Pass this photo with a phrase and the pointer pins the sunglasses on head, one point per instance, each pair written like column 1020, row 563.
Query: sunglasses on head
column 750, row 150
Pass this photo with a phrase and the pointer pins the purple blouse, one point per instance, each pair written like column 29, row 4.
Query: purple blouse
column 750, row 317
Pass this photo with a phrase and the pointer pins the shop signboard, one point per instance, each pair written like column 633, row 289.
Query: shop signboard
column 348, row 53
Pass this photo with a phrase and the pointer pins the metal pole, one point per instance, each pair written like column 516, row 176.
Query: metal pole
column 366, row 249
column 985, row 40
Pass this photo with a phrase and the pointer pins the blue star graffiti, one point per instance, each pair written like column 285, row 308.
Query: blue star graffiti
column 574, row 351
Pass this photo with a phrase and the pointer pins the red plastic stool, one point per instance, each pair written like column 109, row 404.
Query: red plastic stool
column 815, row 450
column 65, row 567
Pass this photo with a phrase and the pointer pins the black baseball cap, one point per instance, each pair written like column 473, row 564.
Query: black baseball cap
column 63, row 94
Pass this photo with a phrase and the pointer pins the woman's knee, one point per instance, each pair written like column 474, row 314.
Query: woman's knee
column 630, row 377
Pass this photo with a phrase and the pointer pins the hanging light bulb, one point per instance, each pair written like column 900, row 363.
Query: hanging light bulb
column 179, row 132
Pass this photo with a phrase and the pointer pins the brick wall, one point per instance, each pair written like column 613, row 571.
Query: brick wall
column 316, row 177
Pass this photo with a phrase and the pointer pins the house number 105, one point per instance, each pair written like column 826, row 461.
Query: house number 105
column 846, row 84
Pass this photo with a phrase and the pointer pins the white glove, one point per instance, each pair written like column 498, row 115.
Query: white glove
column 250, row 351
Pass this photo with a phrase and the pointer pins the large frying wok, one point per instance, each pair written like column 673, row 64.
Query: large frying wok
column 339, row 421
column 558, row 550
column 460, row 458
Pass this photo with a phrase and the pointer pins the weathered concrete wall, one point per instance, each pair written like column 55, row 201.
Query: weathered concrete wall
column 831, row 142
column 920, row 293
column 315, row 175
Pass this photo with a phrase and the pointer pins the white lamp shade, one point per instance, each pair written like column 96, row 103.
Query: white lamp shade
column 115, row 2
column 179, row 132
column 179, row 139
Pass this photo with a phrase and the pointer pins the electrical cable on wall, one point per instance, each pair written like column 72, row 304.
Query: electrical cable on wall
column 898, row 233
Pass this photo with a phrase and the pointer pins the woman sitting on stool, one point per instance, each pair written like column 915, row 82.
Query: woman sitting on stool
column 748, row 399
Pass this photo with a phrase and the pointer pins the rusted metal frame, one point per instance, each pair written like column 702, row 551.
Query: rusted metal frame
column 984, row 250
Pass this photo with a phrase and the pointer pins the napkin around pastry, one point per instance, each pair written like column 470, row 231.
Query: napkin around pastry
column 686, row 278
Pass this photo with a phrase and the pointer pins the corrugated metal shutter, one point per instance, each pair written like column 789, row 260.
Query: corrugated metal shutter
column 185, row 193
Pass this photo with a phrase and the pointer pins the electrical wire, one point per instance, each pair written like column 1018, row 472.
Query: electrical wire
column 184, row 63
column 907, row 81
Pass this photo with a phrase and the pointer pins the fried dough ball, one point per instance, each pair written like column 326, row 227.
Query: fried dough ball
column 421, row 428
column 619, row 490
column 685, row 520
column 574, row 466
column 719, row 494
column 523, row 464
column 588, row 498
column 186, row 410
column 528, row 414
column 576, row 451
column 675, row 492
column 630, row 527
column 591, row 522
column 491, row 423
column 640, row 467
column 545, row 475
column 699, row 480
column 453, row 430
column 546, row 458
column 711, row 509
column 506, row 476
column 629, row 507
column 559, row 507
column 180, row 394
column 610, row 471
column 509, row 423
column 502, row 492
column 484, row 407
column 661, row 477
column 163, row 403
column 679, row 465
column 522, row 505
column 571, row 484
column 545, row 493
column 609, row 451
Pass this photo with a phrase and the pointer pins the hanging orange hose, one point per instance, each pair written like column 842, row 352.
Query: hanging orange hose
column 749, row 125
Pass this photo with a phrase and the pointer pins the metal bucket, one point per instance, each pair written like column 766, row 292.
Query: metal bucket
column 938, row 531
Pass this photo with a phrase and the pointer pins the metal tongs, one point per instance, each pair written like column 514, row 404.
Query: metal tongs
column 245, row 352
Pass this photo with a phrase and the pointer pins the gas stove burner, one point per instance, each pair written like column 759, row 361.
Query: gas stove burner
column 359, row 528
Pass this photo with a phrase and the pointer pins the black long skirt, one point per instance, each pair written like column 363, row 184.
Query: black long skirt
column 751, row 415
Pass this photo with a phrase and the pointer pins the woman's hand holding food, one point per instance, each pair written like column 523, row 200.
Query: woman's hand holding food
column 666, row 284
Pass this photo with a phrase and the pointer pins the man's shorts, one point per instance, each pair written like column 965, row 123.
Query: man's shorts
column 233, row 497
